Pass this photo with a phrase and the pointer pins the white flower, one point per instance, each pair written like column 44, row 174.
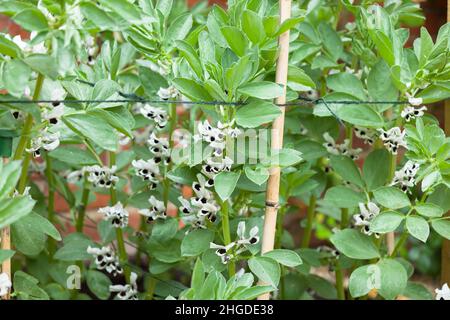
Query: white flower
column 181, row 138
column 46, row 140
column 366, row 214
column 167, row 93
column 253, row 237
column 53, row 115
column 128, row 291
column 124, row 139
column 393, row 139
column 223, row 251
column 311, row 94
column 442, row 294
column 409, row 112
column 105, row 259
column 414, row 101
column 156, row 114
column 405, row 177
column 25, row 46
column 337, row 149
column 75, row 176
column 185, row 206
column 102, row 177
column 5, row 284
column 157, row 210
column 365, row 134
column 147, row 169
column 116, row 214
column 158, row 146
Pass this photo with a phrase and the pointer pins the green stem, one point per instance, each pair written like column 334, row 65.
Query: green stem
column 279, row 230
column 399, row 244
column 123, row 258
column 309, row 222
column 25, row 139
column 83, row 205
column 339, row 281
column 339, row 272
column 51, row 202
column 227, row 234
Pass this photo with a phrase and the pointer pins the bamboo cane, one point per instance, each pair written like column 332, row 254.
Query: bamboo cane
column 273, row 185
column 445, row 254
column 6, row 245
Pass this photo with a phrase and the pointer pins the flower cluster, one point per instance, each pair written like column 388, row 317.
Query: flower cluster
column 45, row 140
column 158, row 115
column 53, row 112
column 105, row 259
column 157, row 210
column 91, row 50
column 101, row 176
column 26, row 46
column 367, row 135
column 202, row 206
column 128, row 291
column 340, row 149
column 233, row 249
column 160, row 148
column 116, row 214
column 148, row 170
column 167, row 93
column 365, row 216
column 405, row 177
column 411, row 112
column 393, row 139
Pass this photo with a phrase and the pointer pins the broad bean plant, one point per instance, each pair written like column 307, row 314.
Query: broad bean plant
column 166, row 112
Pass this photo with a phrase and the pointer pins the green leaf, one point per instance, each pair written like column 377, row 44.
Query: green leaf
column 9, row 48
column 386, row 222
column 429, row 210
column 418, row 227
column 16, row 75
column 31, row 19
column 196, row 242
column 125, row 9
column 257, row 174
column 442, row 227
column 346, row 83
column 188, row 52
column 236, row 40
column 73, row 155
column 322, row 287
column 94, row 128
column 343, row 197
column 99, row 284
column 391, row 197
column 285, row 157
column 105, row 89
column 179, row 28
column 285, row 257
column 289, row 24
column 417, row 291
column 74, row 249
column 97, row 16
column 261, row 89
column 225, row 183
column 266, row 269
column 165, row 6
column 252, row 293
column 27, row 287
column 379, row 83
column 11, row 210
column 360, row 115
column 9, row 175
column 388, row 276
column 198, row 276
column 253, row 26
column 298, row 79
column 347, row 169
column 165, row 230
column 384, row 46
column 6, row 254
column 191, row 89
column 256, row 113
column 44, row 64
column 376, row 169
column 354, row 245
